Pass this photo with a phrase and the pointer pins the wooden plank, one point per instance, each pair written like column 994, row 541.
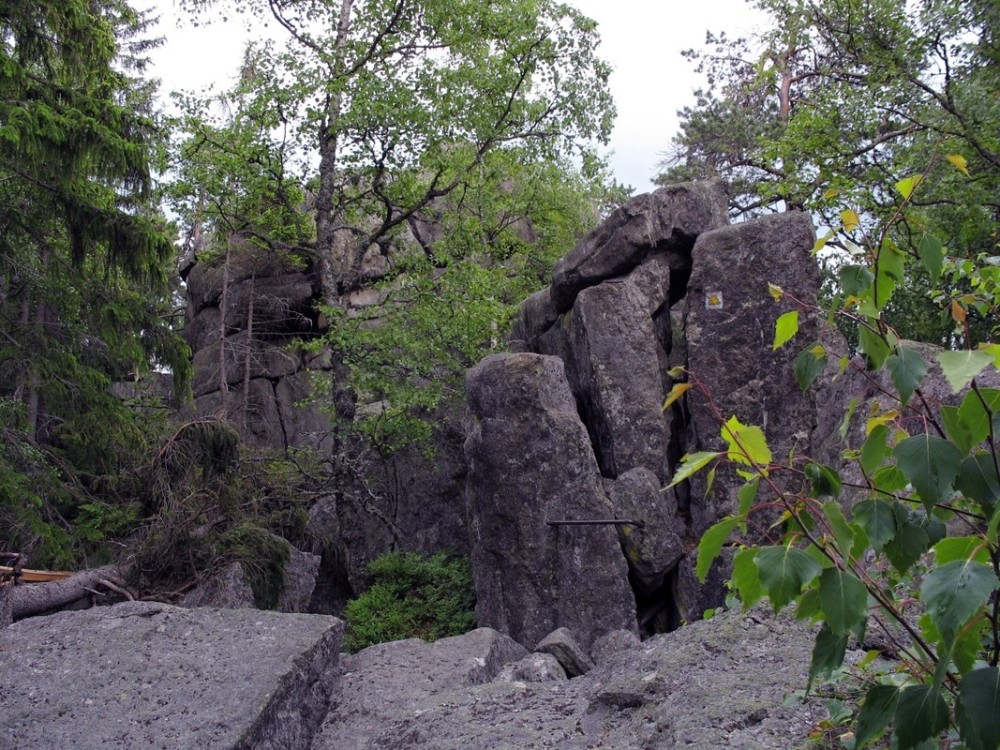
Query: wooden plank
column 36, row 576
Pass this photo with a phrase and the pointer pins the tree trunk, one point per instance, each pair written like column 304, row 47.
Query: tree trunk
column 223, row 309
column 333, row 239
column 33, row 599
column 248, row 354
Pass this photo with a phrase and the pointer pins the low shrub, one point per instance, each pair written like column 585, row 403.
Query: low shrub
column 412, row 596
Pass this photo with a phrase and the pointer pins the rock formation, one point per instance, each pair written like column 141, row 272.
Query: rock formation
column 569, row 427
column 663, row 283
column 248, row 311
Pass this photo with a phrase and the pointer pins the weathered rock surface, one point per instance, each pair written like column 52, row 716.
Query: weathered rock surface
column 534, row 667
column 390, row 680
column 226, row 588
column 658, row 222
column 145, row 675
column 531, row 462
column 616, row 369
column 729, row 325
column 717, row 683
column 562, row 645
column 653, row 548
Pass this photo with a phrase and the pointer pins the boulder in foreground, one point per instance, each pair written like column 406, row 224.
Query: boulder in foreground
column 147, row 675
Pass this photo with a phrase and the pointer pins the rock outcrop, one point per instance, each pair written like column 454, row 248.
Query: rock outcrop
column 248, row 312
column 663, row 283
column 244, row 308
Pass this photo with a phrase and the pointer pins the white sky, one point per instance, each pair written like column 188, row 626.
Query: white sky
column 642, row 39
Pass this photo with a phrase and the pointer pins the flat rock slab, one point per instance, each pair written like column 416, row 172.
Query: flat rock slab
column 153, row 676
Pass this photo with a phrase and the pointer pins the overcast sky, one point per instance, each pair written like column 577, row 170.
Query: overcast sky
column 642, row 39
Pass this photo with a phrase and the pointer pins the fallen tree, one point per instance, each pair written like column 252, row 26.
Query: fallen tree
column 21, row 601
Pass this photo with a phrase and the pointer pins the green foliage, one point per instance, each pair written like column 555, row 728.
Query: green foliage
column 448, row 303
column 916, row 542
column 412, row 596
column 84, row 293
column 833, row 108
column 456, row 140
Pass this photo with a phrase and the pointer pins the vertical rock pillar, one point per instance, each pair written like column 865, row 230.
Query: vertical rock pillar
column 531, row 462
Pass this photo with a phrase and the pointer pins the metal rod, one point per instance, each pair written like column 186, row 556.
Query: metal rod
column 598, row 522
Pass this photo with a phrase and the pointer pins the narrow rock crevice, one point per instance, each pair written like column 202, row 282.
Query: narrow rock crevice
column 656, row 611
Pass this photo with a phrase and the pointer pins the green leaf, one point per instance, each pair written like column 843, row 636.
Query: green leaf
column 747, row 446
column 907, row 546
column 878, row 521
column 875, row 715
column 844, row 599
column 746, row 577
column 746, row 495
column 955, row 592
column 873, row 346
column 890, row 273
column 843, row 531
column 921, row 713
column 961, row 367
column 711, row 545
column 907, row 369
column 809, row 365
column 808, row 606
column 691, row 464
column 845, row 423
column 933, row 526
column 960, row 548
column 828, row 654
column 889, row 479
column 977, row 480
column 993, row 528
column 956, row 429
column 907, row 185
column 783, row 573
column 931, row 255
column 930, row 464
column 875, row 450
column 855, row 280
column 964, row 651
column 977, row 711
column 974, row 417
column 825, row 481
column 785, row 329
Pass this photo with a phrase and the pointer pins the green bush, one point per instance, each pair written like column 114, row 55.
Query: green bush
column 412, row 596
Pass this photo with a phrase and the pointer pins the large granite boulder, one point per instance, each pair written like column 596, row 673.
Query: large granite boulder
column 531, row 463
column 145, row 675
column 617, row 369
